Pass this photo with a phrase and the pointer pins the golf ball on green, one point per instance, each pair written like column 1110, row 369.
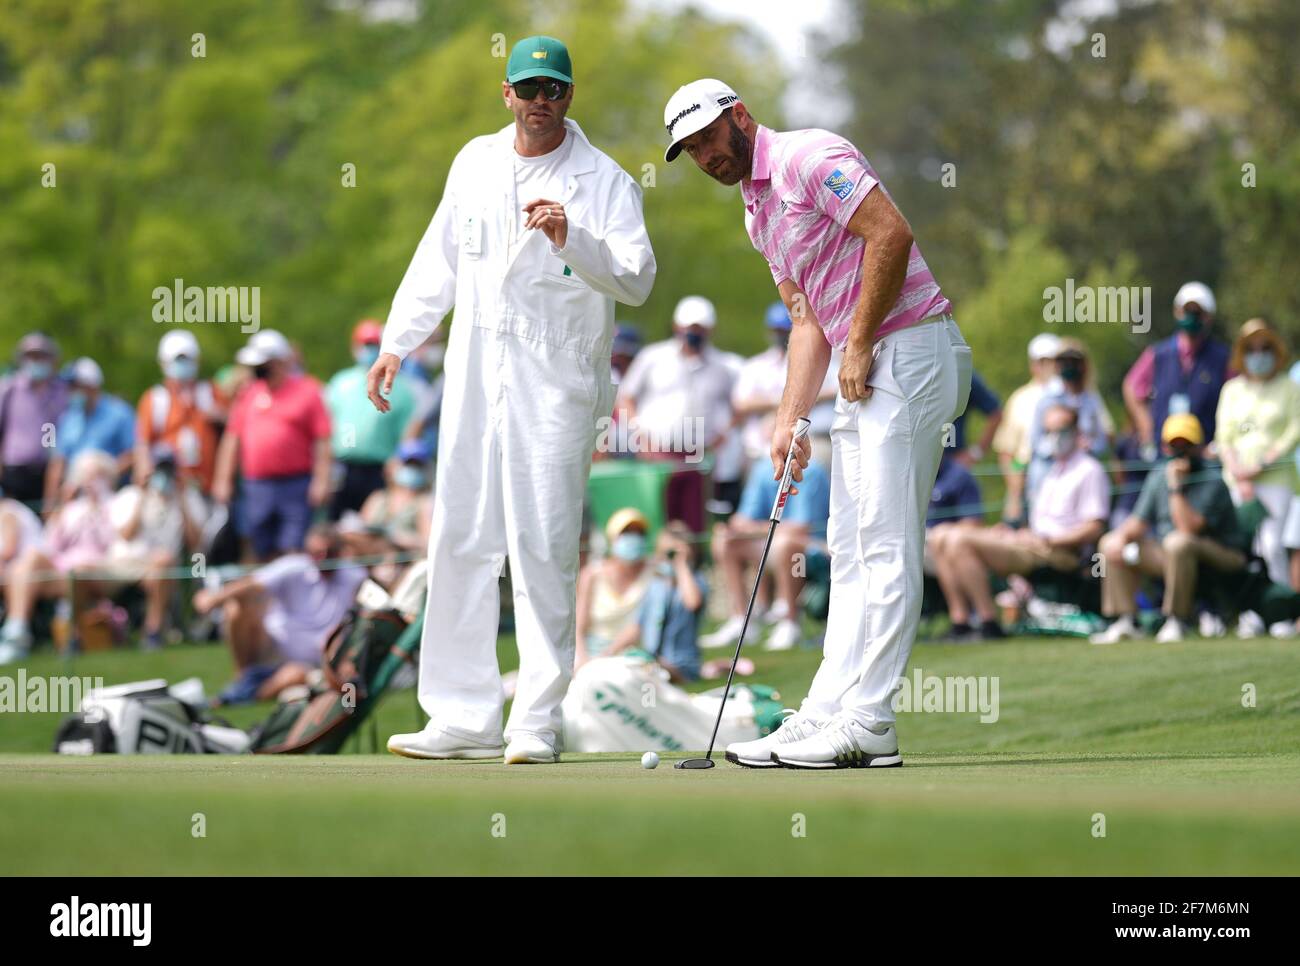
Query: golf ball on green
column 649, row 760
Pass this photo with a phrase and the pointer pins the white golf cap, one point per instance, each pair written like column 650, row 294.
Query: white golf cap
column 695, row 310
column 694, row 107
column 86, row 372
column 263, row 347
column 178, row 342
column 1044, row 346
column 1197, row 292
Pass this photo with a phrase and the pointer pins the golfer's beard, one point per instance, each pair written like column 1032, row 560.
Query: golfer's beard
column 740, row 156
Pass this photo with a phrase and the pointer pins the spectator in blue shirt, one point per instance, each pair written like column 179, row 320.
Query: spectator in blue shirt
column 982, row 400
column 738, row 543
column 93, row 420
column 1073, row 388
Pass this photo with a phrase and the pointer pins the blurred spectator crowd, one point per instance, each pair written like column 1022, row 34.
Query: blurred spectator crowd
column 270, row 497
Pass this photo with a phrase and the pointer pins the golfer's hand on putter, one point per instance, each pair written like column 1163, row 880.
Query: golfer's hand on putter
column 379, row 380
column 781, row 437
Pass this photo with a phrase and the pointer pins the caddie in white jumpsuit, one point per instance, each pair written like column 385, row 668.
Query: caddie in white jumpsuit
column 536, row 236
column 847, row 267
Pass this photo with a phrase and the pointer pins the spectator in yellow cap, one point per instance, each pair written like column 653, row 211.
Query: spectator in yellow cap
column 611, row 589
column 1184, row 517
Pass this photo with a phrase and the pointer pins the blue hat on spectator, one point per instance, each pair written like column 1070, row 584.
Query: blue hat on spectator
column 778, row 317
column 627, row 340
column 413, row 451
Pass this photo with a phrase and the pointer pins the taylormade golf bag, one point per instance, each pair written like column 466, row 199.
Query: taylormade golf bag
column 627, row 703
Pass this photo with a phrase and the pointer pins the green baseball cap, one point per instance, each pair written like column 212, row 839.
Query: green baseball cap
column 539, row 57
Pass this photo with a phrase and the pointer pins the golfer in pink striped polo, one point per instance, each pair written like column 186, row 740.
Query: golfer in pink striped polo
column 847, row 267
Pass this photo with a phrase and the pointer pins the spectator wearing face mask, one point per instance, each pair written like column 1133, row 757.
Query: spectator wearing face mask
column 154, row 523
column 1181, row 374
column 183, row 413
column 31, row 402
column 1184, row 517
column 278, row 439
column 78, row 537
column 363, row 438
column 676, row 395
column 611, row 589
column 1011, row 440
column 93, row 419
column 1258, row 431
column 1065, row 521
column 1073, row 388
column 667, row 621
column 395, row 519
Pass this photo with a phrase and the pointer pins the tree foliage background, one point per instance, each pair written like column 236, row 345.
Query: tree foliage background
column 227, row 169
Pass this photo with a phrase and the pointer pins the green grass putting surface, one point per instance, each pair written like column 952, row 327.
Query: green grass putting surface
column 1159, row 747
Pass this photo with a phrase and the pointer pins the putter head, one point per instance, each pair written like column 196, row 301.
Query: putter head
column 695, row 763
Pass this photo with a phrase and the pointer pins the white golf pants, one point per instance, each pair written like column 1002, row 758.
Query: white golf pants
column 885, row 453
column 515, row 442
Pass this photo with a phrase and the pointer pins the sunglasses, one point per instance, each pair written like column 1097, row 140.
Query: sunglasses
column 526, row 90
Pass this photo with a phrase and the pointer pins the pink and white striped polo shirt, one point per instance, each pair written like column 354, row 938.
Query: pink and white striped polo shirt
column 801, row 193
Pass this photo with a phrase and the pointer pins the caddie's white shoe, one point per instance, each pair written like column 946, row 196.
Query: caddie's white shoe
column 843, row 743
column 758, row 753
column 530, row 749
column 436, row 744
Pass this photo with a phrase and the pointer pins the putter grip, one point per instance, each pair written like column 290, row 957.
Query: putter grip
column 801, row 427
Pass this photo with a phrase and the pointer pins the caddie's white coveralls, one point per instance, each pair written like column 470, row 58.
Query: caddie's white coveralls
column 527, row 377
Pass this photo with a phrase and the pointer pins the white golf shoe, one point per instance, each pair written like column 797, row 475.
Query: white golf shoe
column 1121, row 629
column 784, row 636
column 726, row 634
column 758, row 753
column 1171, row 632
column 434, row 743
column 843, row 743
column 530, row 749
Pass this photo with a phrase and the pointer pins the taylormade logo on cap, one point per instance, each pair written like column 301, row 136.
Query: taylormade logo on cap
column 673, row 123
column 694, row 107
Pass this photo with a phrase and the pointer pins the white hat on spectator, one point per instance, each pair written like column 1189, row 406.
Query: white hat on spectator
column 695, row 310
column 91, row 464
column 1044, row 346
column 263, row 347
column 86, row 372
column 177, row 342
column 1197, row 292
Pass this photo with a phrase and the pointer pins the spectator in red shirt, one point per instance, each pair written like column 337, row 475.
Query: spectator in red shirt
column 279, row 436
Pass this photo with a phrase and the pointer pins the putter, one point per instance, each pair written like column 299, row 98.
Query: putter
column 801, row 427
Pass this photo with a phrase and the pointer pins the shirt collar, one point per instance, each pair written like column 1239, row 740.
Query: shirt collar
column 761, row 163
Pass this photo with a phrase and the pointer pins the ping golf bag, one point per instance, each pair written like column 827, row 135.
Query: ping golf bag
column 144, row 718
column 626, row 703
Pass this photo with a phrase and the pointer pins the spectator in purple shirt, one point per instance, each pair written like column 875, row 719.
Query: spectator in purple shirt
column 278, row 619
column 31, row 402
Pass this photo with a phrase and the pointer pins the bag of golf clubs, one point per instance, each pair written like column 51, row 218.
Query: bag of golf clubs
column 147, row 718
column 375, row 644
